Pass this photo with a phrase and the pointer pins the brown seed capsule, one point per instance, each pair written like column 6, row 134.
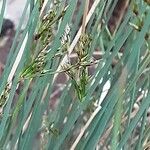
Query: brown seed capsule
column 147, row 36
column 147, row 1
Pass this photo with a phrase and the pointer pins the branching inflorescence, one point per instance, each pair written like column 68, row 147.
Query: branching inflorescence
column 78, row 72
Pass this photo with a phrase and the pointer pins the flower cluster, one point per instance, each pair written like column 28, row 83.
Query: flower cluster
column 44, row 35
column 37, row 66
column 78, row 72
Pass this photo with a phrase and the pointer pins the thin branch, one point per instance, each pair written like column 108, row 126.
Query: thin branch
column 85, row 127
column 43, row 8
column 85, row 15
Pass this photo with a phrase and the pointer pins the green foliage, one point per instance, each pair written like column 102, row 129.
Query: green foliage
column 86, row 114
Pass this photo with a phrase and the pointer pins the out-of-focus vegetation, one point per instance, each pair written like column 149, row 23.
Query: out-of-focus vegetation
column 78, row 78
